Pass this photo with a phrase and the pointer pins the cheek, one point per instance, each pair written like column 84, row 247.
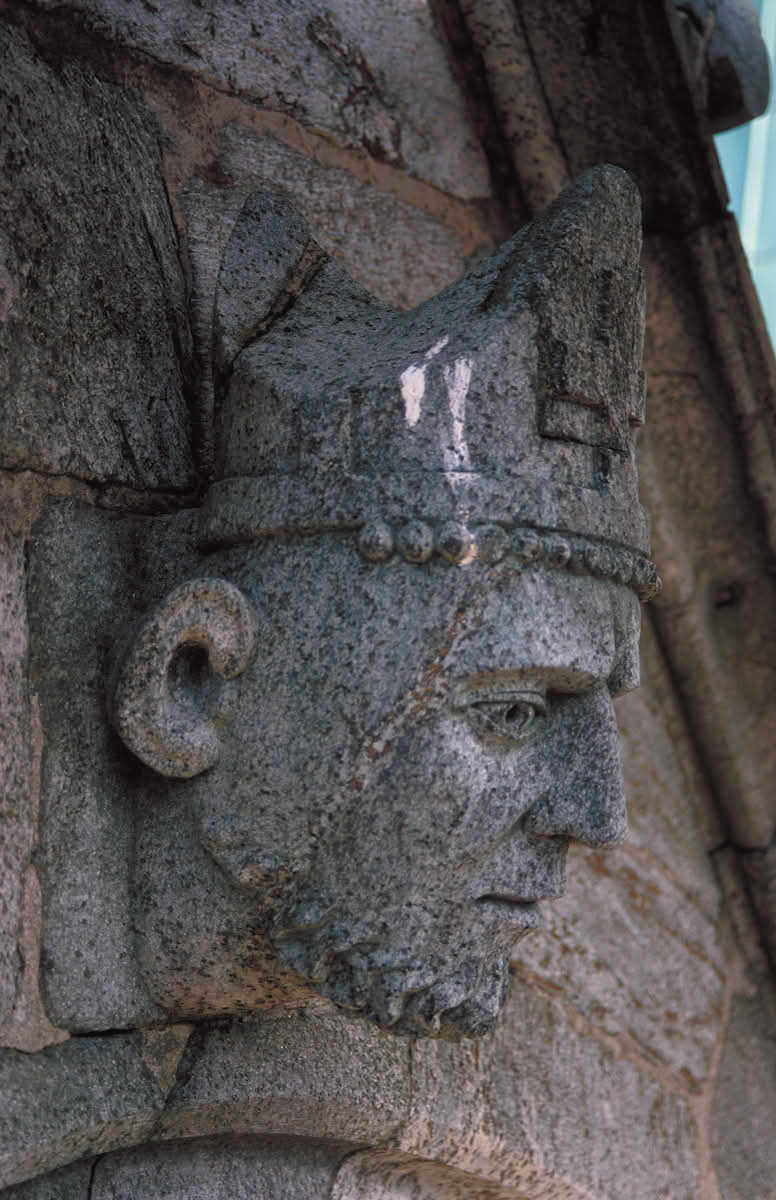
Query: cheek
column 442, row 796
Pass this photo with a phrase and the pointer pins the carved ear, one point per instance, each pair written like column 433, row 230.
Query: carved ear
column 151, row 709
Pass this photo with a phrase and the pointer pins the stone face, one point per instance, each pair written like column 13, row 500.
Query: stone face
column 351, row 71
column 94, row 336
column 634, row 946
column 461, row 671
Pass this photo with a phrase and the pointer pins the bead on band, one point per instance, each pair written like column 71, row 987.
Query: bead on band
column 417, row 542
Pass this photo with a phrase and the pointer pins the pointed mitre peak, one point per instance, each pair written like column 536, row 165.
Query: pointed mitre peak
column 524, row 375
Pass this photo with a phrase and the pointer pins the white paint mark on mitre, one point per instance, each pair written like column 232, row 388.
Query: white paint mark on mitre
column 413, row 387
column 413, row 383
column 457, row 379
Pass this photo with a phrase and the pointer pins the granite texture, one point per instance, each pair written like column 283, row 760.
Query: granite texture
column 17, row 808
column 742, row 1120
column 537, row 1105
column 599, row 1078
column 81, row 580
column 348, row 70
column 222, row 1169
column 306, row 1075
column 70, row 1183
column 82, row 1098
column 95, row 335
column 503, row 457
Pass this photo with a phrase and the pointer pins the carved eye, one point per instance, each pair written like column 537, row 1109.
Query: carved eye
column 508, row 717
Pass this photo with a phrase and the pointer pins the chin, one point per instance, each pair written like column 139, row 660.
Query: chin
column 465, row 1004
column 441, row 997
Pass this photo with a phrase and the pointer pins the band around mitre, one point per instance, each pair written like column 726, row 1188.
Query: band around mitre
column 488, row 521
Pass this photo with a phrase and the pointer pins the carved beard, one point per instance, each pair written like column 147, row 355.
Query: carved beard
column 443, row 998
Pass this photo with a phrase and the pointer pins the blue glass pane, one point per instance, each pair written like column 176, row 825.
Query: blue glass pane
column 748, row 158
column 732, row 148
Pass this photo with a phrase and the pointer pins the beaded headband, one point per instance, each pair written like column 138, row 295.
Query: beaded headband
column 455, row 543
column 239, row 512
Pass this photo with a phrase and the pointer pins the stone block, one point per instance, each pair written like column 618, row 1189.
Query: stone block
column 742, row 1142
column 85, row 1097
column 347, row 217
column 94, row 338
column 69, row 1183
column 311, row 1075
column 671, row 808
column 17, row 793
column 220, row 1169
column 374, row 76
column 82, row 588
column 386, row 1175
column 547, row 1109
column 630, row 950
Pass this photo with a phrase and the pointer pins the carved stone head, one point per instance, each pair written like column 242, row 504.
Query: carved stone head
column 388, row 682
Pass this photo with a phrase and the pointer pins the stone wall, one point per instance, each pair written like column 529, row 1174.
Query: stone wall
column 637, row 1055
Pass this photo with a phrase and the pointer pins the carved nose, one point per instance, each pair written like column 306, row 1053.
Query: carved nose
column 586, row 798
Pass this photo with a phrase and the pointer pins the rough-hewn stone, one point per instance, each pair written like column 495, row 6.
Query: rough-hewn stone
column 81, row 576
column 70, row 1183
column 349, row 70
column 538, row 1105
column 316, row 1075
column 17, row 792
column 94, row 335
column 85, row 1097
column 745, row 1099
column 221, row 1169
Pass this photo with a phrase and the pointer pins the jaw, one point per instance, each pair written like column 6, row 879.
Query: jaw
column 448, row 981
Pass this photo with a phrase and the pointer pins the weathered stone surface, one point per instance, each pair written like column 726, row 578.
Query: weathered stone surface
column 69, row 1183
column 489, row 435
column 82, row 585
column 347, row 218
column 742, row 1140
column 17, row 815
column 23, row 1023
column 374, row 76
column 538, row 1105
column 94, row 337
column 629, row 949
column 222, row 1169
column 622, row 96
column 634, row 946
column 312, row 1076
column 715, row 616
column 386, row 1175
column 671, row 812
column 726, row 59
column 85, row 1097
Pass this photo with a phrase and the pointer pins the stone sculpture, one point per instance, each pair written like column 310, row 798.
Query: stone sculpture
column 381, row 703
